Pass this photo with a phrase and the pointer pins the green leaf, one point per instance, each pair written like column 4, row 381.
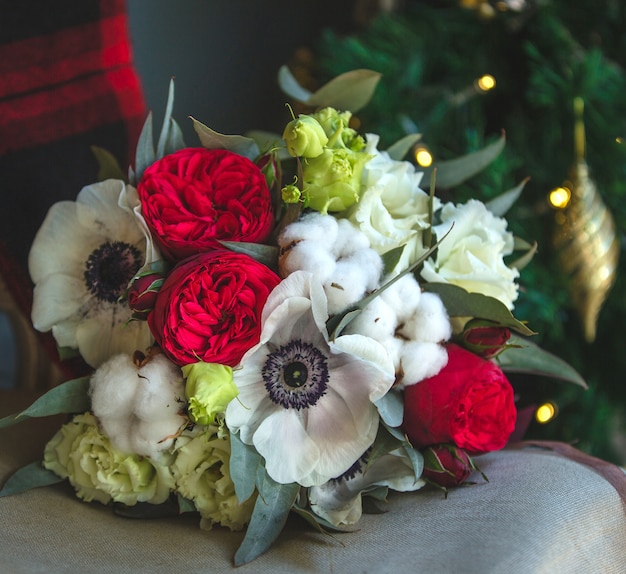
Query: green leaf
column 145, row 154
column 290, row 86
column 321, row 525
column 525, row 259
column 170, row 134
column 269, row 141
column 399, row 149
column 391, row 259
column 384, row 443
column 349, row 91
column 32, row 475
column 453, row 172
column 391, row 408
column 245, row 462
column 69, row 397
column 502, row 203
column 268, row 517
column 210, row 139
column 527, row 357
column 460, row 303
column 266, row 254
column 108, row 166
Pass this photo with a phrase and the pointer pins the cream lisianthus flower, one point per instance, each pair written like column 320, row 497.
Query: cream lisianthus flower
column 393, row 210
column 81, row 261
column 472, row 254
column 306, row 403
column 99, row 471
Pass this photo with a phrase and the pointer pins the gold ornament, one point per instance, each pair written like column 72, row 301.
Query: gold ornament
column 585, row 240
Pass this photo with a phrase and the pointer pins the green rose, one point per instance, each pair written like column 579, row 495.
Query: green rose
column 305, row 137
column 97, row 471
column 202, row 472
column 332, row 181
column 209, row 388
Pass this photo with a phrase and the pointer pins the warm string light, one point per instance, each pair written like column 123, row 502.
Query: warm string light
column 546, row 412
column 486, row 83
column 560, row 197
column 422, row 156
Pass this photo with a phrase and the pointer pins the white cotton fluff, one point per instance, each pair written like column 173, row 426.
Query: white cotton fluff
column 429, row 321
column 322, row 229
column 403, row 296
column 419, row 360
column 377, row 321
column 349, row 240
column 309, row 256
column 138, row 408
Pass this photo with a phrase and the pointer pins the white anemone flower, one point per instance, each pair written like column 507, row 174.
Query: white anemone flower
column 306, row 403
column 81, row 260
column 339, row 501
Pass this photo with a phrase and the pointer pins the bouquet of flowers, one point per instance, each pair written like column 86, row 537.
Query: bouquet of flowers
column 277, row 324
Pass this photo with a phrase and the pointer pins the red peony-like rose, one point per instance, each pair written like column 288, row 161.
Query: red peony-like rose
column 195, row 196
column 446, row 465
column 209, row 308
column 469, row 403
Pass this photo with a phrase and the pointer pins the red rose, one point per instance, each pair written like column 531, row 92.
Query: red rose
column 194, row 197
column 469, row 403
column 447, row 465
column 209, row 308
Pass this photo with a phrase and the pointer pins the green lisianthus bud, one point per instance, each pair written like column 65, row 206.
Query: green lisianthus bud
column 332, row 181
column 336, row 127
column 291, row 193
column 305, row 137
column 209, row 387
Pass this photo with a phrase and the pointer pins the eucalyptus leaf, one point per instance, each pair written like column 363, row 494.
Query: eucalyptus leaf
column 269, row 140
column 321, row 525
column 460, row 303
column 108, row 166
column 31, row 476
column 525, row 259
column 416, row 458
column 384, row 443
column 502, row 203
column 290, row 86
column 349, row 91
column 145, row 154
column 165, row 128
column 269, row 516
column 391, row 408
column 211, row 139
column 453, row 172
column 245, row 462
column 185, row 505
column 69, row 397
column 399, row 149
column 391, row 258
column 525, row 356
column 266, row 254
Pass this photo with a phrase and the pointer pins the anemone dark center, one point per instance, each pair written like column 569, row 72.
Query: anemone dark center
column 296, row 375
column 109, row 268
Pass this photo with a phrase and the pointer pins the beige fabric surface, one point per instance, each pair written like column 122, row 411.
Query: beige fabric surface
column 540, row 513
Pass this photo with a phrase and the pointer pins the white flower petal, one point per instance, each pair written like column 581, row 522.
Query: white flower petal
column 56, row 298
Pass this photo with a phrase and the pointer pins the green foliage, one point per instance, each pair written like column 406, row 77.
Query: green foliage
column 543, row 57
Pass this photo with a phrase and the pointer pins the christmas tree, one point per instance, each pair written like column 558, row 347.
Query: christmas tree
column 460, row 73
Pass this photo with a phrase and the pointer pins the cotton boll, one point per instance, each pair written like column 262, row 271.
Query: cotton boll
column 349, row 239
column 371, row 265
column 430, row 322
column 403, row 296
column 120, row 431
column 420, row 361
column 377, row 321
column 113, row 386
column 152, row 438
column 160, row 390
column 345, row 286
column 308, row 256
column 321, row 229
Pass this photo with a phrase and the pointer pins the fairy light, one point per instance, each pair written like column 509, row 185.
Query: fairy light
column 486, row 83
column 619, row 140
column 545, row 413
column 559, row 197
column 423, row 157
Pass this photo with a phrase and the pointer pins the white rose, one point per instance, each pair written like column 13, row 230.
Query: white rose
column 393, row 210
column 472, row 255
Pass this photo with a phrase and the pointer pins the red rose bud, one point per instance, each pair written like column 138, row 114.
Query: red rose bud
column 270, row 166
column 142, row 293
column 209, row 308
column 469, row 403
column 447, row 465
column 194, row 198
column 485, row 338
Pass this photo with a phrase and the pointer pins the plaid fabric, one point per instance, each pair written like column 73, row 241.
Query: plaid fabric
column 67, row 82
